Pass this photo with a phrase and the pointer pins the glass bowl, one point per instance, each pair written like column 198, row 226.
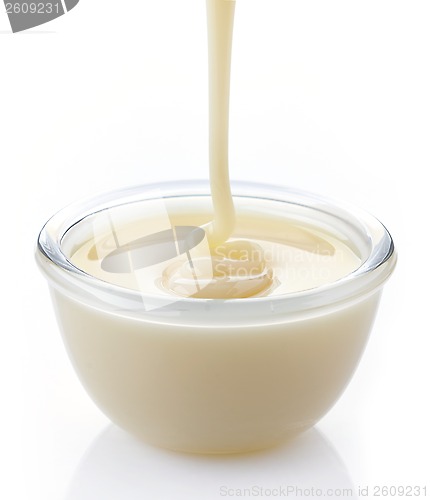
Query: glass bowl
column 214, row 375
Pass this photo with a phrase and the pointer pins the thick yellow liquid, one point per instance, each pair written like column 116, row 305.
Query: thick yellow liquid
column 212, row 377
column 220, row 18
column 270, row 255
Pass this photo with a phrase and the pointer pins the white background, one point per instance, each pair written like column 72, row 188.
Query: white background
column 329, row 96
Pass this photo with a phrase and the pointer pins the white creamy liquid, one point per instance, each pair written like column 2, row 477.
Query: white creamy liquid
column 220, row 17
column 204, row 382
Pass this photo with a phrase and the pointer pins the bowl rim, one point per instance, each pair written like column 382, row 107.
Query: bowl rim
column 63, row 275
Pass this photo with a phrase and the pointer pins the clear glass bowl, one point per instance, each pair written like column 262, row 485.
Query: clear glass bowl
column 215, row 375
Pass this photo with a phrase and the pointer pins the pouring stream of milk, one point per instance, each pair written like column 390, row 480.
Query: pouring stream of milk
column 220, row 20
column 226, row 267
